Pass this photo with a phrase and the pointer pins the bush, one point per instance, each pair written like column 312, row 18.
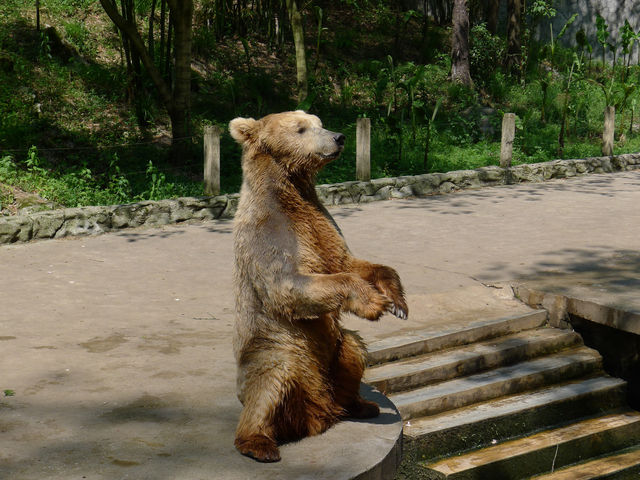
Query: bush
column 486, row 52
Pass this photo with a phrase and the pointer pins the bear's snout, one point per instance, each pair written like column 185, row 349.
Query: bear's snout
column 339, row 139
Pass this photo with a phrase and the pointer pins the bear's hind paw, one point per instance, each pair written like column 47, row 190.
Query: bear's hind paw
column 258, row 447
column 363, row 409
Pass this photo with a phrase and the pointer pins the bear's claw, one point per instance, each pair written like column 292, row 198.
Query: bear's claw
column 398, row 311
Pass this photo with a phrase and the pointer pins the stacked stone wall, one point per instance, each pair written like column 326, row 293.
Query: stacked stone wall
column 96, row 220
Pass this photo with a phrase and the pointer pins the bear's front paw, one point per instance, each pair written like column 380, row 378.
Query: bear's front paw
column 387, row 281
column 258, row 447
column 366, row 302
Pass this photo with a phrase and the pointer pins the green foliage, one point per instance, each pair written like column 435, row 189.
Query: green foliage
column 542, row 8
column 81, row 186
column 486, row 52
column 70, row 6
column 602, row 30
column 564, row 28
column 345, row 39
column 204, row 40
column 602, row 34
column 159, row 187
column 77, row 34
column 627, row 37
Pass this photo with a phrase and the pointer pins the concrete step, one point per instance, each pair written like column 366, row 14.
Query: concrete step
column 497, row 382
column 620, row 466
column 439, row 338
column 439, row 366
column 540, row 453
column 477, row 425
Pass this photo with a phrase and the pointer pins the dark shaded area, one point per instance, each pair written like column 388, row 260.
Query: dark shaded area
column 373, row 395
column 604, row 270
column 152, row 233
column 620, row 352
column 222, row 225
column 147, row 408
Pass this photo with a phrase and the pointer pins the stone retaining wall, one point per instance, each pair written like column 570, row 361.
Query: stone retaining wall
column 95, row 220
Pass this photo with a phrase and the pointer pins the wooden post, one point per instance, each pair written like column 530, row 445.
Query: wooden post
column 508, row 134
column 211, row 160
column 609, row 128
column 363, row 149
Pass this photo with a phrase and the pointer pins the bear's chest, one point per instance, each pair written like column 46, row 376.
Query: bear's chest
column 321, row 248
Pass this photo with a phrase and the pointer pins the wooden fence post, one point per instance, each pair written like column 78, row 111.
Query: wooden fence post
column 508, row 134
column 211, row 160
column 363, row 149
column 609, row 128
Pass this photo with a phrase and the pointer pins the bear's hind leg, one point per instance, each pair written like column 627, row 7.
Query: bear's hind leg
column 348, row 370
column 285, row 403
column 255, row 434
column 308, row 409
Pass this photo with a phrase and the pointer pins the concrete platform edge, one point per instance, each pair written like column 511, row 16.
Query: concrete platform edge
column 561, row 305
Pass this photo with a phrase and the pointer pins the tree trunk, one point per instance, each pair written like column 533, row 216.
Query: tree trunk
column 176, row 99
column 182, row 14
column 298, row 39
column 167, row 55
column 460, row 69
column 514, row 50
column 492, row 9
column 150, row 41
column 163, row 14
column 608, row 131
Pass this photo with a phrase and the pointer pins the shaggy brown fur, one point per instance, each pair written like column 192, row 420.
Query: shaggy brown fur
column 299, row 370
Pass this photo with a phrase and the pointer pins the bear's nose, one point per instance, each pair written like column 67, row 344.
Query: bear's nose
column 339, row 139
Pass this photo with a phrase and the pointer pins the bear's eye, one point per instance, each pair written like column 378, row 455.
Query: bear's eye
column 301, row 130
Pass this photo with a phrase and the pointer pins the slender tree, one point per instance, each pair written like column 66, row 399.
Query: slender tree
column 38, row 15
column 460, row 68
column 514, row 42
column 295, row 18
column 176, row 95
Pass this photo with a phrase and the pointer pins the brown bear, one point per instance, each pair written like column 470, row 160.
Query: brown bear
column 299, row 370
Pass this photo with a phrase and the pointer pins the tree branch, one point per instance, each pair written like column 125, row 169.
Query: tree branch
column 132, row 33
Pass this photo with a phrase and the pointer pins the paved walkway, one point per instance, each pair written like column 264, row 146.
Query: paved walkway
column 118, row 347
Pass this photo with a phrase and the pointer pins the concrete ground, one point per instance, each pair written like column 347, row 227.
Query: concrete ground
column 115, row 351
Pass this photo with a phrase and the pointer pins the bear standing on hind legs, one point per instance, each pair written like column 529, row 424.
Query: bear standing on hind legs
column 299, row 370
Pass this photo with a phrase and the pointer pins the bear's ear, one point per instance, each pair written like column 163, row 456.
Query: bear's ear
column 242, row 129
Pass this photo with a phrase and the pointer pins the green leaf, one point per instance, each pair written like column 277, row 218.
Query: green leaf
column 603, row 32
column 566, row 25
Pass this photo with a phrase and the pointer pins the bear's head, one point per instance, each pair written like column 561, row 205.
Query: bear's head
column 296, row 138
